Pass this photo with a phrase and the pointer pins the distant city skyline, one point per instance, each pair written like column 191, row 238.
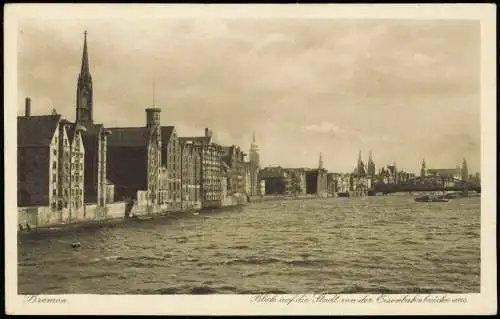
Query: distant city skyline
column 405, row 90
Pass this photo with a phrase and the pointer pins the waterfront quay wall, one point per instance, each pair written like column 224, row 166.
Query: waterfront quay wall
column 44, row 216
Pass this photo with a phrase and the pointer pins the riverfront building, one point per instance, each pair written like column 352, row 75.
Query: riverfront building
column 38, row 159
column 50, row 163
column 190, row 176
column 72, row 166
column 211, row 169
column 275, row 179
column 134, row 161
column 295, row 181
column 172, row 159
column 234, row 159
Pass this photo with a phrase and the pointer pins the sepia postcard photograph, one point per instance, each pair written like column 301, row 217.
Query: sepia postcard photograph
column 250, row 159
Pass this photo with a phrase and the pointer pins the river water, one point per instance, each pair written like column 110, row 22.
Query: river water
column 336, row 245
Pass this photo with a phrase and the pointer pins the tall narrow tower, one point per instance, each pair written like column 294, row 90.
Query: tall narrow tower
column 371, row 165
column 320, row 165
column 360, row 167
column 84, row 94
column 154, row 151
column 254, row 152
column 465, row 171
column 423, row 169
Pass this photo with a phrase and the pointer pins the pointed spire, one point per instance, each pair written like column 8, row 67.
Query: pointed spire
column 85, row 58
column 154, row 92
column 370, row 158
column 253, row 137
column 320, row 161
column 423, row 162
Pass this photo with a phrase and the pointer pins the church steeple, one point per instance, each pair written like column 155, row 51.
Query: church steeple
column 320, row 161
column 85, row 57
column 254, row 152
column 371, row 165
column 84, row 94
column 465, row 171
column 360, row 167
column 423, row 169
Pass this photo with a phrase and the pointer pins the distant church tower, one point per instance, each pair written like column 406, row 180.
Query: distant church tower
column 84, row 94
column 423, row 169
column 371, row 165
column 254, row 153
column 320, row 165
column 465, row 171
column 360, row 167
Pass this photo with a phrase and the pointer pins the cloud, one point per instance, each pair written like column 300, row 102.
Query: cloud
column 303, row 85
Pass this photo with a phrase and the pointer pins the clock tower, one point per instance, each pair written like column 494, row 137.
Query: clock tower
column 84, row 96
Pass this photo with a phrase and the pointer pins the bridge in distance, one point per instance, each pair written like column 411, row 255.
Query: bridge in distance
column 459, row 185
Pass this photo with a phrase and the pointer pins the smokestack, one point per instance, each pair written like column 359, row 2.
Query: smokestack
column 27, row 109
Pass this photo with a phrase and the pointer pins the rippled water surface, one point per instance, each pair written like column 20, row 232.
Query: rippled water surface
column 336, row 245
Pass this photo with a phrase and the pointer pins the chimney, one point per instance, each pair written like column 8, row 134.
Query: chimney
column 27, row 109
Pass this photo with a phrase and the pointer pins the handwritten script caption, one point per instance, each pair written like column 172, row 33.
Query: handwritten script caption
column 34, row 299
column 362, row 299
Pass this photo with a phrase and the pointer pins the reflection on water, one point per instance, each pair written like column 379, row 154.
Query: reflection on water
column 336, row 245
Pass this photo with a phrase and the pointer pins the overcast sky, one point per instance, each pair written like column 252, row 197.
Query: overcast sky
column 406, row 90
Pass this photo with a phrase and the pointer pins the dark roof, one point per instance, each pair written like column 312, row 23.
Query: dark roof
column 166, row 133
column 128, row 136
column 36, row 130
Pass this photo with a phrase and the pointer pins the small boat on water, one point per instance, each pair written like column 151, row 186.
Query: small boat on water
column 431, row 199
column 343, row 194
column 75, row 244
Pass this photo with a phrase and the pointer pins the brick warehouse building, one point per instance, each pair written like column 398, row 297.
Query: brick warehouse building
column 134, row 160
column 171, row 158
column 38, row 159
column 234, row 158
column 190, row 176
column 50, row 164
column 211, row 171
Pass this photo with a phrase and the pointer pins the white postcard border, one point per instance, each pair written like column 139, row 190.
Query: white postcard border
column 482, row 303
